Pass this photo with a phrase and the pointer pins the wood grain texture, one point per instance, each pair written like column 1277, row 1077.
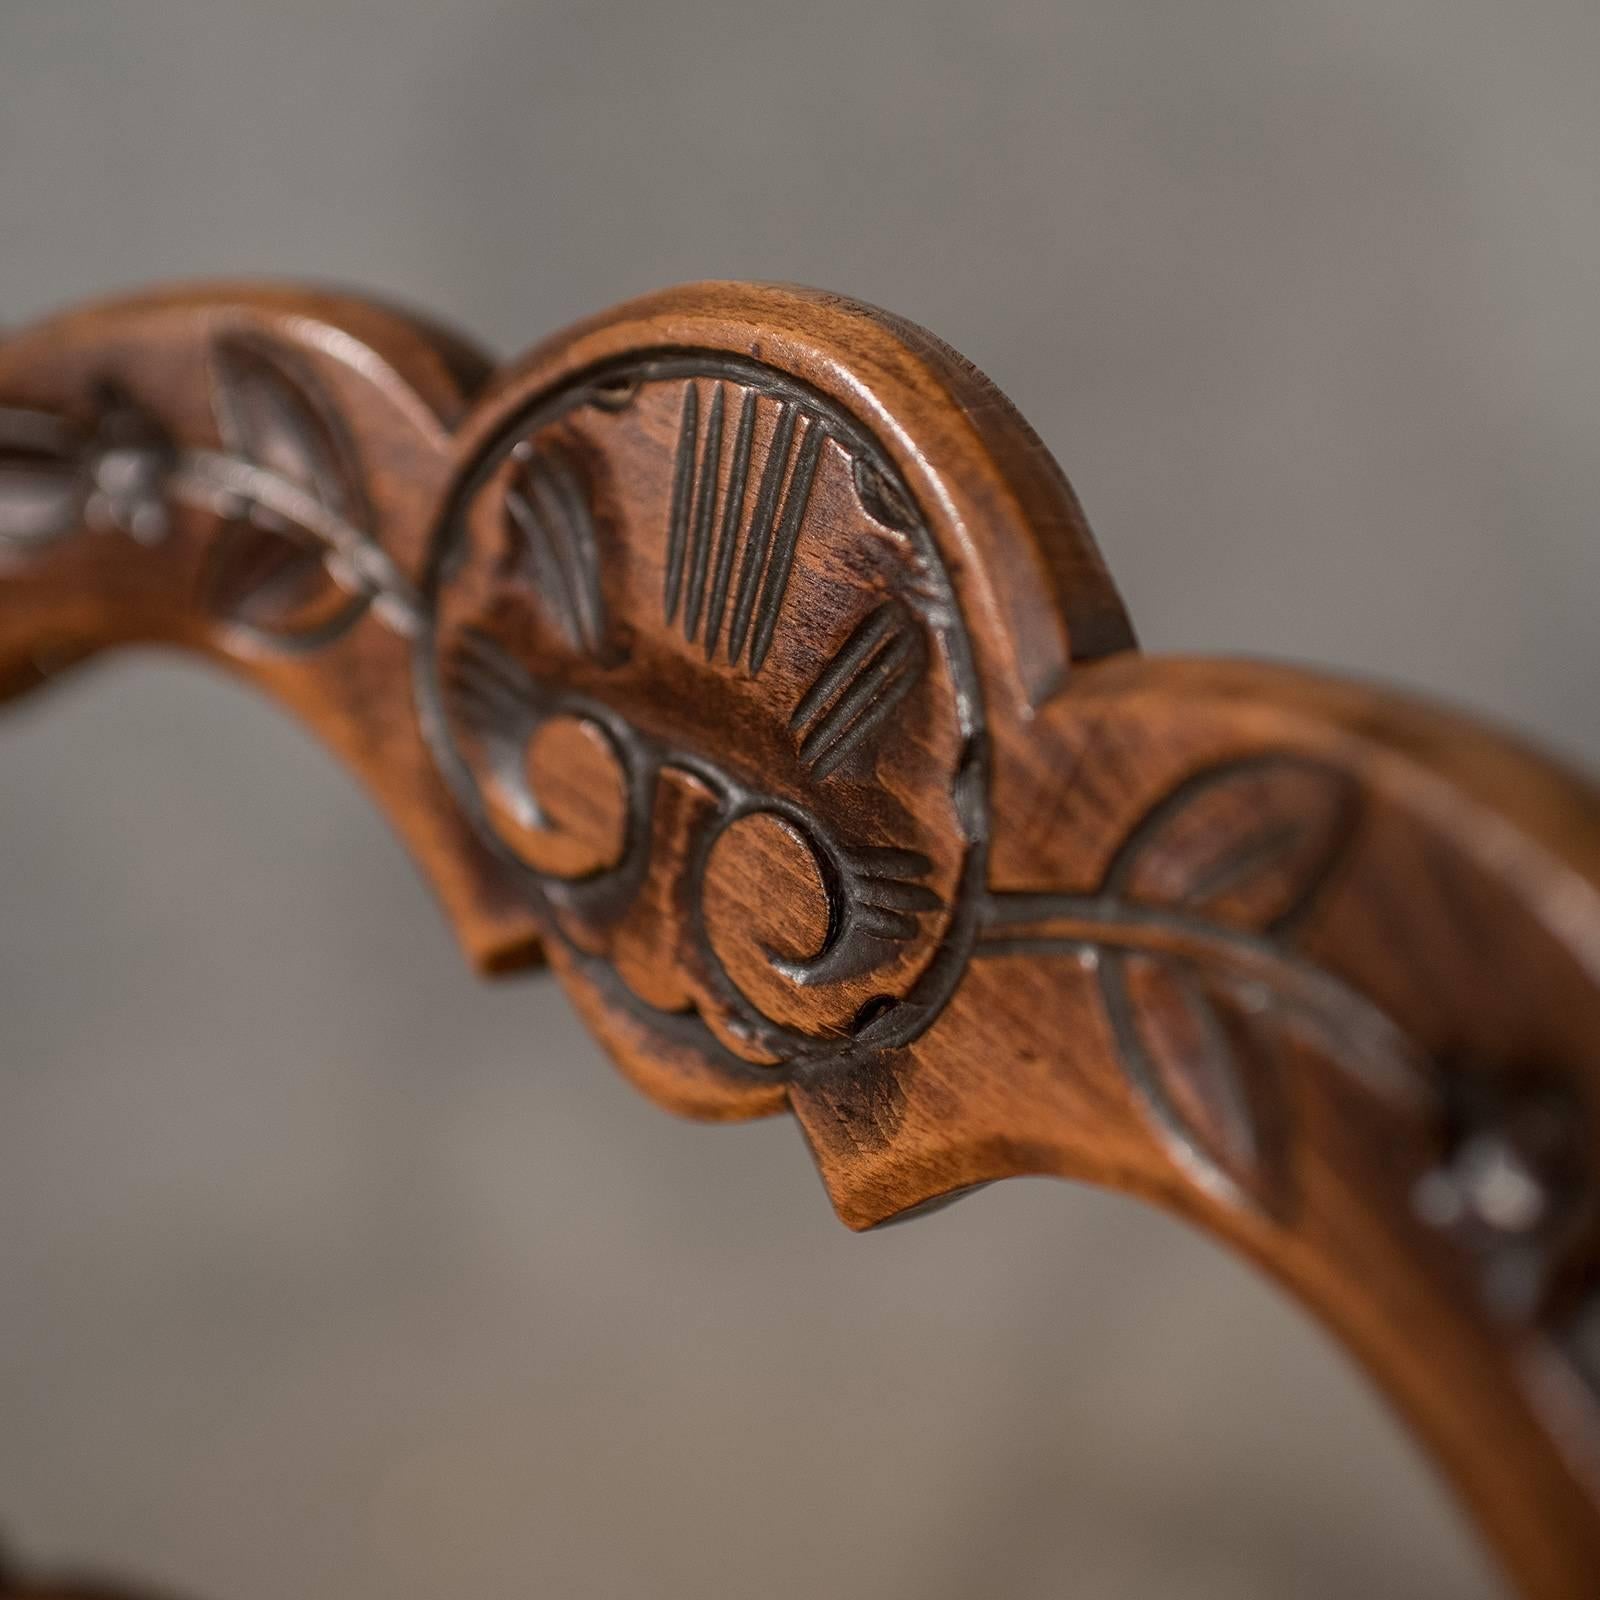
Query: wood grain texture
column 742, row 653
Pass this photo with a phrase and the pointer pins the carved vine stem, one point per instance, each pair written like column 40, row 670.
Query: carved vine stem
column 290, row 476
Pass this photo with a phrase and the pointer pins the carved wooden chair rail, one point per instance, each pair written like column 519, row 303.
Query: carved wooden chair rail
column 745, row 656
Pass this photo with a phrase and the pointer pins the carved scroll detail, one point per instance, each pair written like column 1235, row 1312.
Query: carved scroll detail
column 771, row 507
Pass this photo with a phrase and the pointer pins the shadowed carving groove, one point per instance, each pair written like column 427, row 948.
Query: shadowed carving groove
column 783, row 545
column 547, row 508
column 755, row 549
column 733, row 512
column 877, row 904
column 857, row 691
column 682, row 497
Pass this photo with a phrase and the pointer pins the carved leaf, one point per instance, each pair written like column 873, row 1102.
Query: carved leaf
column 857, row 690
column 551, row 529
column 272, row 413
column 1208, row 1070
column 1246, row 844
column 882, row 499
column 39, row 501
column 877, row 908
column 269, row 574
column 273, row 581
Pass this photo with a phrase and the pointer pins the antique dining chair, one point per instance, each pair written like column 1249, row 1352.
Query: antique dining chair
column 743, row 655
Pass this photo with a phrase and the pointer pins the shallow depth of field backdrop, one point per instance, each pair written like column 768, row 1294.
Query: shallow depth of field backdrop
column 328, row 1273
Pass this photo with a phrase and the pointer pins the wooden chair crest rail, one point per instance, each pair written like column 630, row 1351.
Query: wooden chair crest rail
column 745, row 656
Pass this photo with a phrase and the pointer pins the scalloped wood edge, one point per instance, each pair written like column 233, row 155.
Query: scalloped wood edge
column 1313, row 966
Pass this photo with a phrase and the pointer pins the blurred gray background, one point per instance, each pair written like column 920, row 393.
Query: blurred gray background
column 329, row 1273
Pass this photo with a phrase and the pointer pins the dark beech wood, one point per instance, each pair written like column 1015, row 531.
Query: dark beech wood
column 742, row 653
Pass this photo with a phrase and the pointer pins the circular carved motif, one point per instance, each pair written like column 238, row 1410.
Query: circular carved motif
column 694, row 667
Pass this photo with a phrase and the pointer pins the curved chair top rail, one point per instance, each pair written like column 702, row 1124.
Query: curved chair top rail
column 743, row 654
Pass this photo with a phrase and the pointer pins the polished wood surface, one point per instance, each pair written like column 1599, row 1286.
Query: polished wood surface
column 743, row 654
